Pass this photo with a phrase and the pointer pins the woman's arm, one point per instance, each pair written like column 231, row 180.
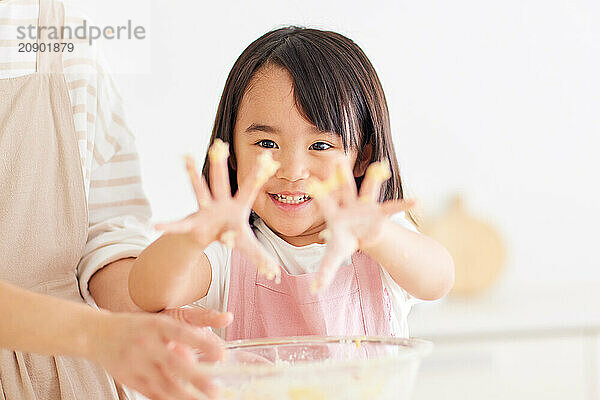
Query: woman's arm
column 35, row 323
column 136, row 349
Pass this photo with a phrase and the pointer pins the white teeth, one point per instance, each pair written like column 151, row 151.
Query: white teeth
column 291, row 199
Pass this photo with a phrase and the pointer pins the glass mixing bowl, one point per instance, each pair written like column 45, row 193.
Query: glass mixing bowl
column 319, row 368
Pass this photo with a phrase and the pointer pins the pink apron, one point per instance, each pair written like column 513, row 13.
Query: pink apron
column 352, row 305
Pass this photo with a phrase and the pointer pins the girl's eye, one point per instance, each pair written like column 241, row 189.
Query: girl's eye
column 267, row 144
column 320, row 146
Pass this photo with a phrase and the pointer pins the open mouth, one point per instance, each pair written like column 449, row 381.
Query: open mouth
column 290, row 199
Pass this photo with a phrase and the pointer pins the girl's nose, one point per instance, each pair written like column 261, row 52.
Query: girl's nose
column 293, row 168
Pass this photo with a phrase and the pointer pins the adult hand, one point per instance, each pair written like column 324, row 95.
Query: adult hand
column 201, row 318
column 155, row 354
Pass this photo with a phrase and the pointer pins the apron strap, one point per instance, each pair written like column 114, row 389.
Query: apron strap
column 368, row 274
column 241, row 298
column 52, row 19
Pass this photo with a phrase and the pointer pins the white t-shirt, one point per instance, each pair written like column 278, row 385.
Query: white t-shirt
column 296, row 261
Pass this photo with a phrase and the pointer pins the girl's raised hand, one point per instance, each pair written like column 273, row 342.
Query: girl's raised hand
column 354, row 221
column 224, row 217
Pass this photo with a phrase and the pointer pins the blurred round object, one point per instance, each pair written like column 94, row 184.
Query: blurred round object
column 475, row 246
column 319, row 368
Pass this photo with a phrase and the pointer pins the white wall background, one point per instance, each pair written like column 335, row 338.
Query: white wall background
column 499, row 100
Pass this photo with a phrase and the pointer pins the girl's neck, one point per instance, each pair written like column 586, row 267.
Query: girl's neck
column 302, row 240
column 309, row 237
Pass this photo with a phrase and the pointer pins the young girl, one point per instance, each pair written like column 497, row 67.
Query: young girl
column 311, row 100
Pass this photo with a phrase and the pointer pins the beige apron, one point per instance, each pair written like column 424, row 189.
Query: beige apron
column 43, row 219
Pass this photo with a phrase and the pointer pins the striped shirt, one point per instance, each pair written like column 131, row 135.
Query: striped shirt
column 118, row 209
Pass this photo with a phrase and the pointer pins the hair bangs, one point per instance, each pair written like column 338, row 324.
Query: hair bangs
column 323, row 92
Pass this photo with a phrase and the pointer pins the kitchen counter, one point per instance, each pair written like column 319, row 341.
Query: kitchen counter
column 508, row 312
column 519, row 343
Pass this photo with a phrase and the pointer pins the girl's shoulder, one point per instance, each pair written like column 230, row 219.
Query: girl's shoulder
column 218, row 255
column 401, row 219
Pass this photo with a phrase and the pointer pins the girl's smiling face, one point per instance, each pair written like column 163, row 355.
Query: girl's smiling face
column 269, row 120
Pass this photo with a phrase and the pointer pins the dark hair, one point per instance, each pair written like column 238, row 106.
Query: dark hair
column 335, row 87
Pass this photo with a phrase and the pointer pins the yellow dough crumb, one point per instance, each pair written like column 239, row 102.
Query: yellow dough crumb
column 219, row 151
column 268, row 273
column 267, row 168
column 203, row 203
column 317, row 188
column 315, row 287
column 190, row 167
column 379, row 171
column 306, row 394
column 325, row 234
column 228, row 239
column 340, row 176
column 190, row 164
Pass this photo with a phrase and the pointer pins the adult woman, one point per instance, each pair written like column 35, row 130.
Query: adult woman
column 72, row 213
